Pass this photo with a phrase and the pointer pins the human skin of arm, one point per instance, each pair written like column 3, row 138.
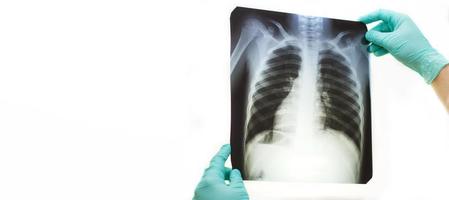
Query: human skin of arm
column 441, row 86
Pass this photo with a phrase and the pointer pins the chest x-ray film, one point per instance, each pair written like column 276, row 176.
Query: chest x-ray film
column 300, row 102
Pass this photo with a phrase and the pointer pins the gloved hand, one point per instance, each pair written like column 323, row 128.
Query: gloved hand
column 213, row 187
column 397, row 34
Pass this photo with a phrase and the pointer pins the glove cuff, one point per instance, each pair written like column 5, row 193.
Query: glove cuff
column 432, row 64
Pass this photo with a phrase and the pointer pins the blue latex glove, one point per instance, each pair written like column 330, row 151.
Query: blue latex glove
column 213, row 187
column 398, row 35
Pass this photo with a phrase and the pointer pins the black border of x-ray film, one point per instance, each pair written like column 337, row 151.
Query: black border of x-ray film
column 239, row 89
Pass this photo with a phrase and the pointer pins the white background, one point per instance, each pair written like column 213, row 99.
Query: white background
column 130, row 99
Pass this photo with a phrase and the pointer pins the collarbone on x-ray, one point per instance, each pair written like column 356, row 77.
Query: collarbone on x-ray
column 304, row 106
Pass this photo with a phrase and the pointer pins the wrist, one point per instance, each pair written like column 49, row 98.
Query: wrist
column 431, row 65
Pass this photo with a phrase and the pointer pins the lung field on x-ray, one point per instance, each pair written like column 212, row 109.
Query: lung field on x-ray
column 282, row 68
column 339, row 95
column 305, row 113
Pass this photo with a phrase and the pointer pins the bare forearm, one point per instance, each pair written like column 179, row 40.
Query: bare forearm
column 441, row 86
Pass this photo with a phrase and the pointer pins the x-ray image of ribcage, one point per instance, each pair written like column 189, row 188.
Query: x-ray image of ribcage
column 300, row 98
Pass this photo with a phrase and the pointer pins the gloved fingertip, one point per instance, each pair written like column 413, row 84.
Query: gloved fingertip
column 236, row 172
column 367, row 19
column 226, row 146
column 235, row 175
column 225, row 150
column 235, row 178
column 363, row 19
column 378, row 38
column 369, row 35
column 379, row 53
